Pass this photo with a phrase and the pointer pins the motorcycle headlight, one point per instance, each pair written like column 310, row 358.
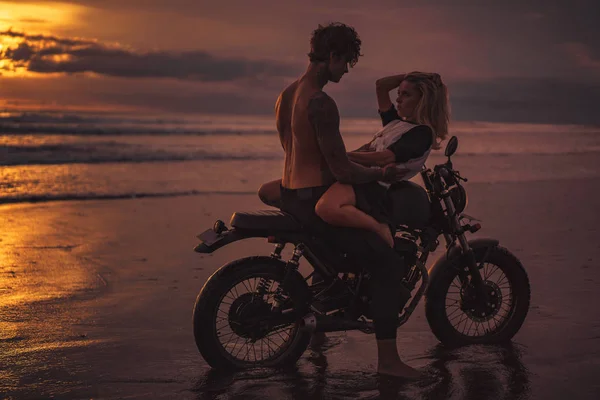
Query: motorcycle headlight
column 458, row 194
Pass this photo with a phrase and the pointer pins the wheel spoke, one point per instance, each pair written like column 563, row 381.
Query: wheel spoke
column 246, row 343
column 455, row 285
column 490, row 273
column 225, row 334
column 469, row 326
column 282, row 338
column 453, row 312
column 269, row 341
column 239, row 321
column 230, row 295
column 248, row 290
column 461, row 315
column 235, row 345
column 486, row 320
column 501, row 281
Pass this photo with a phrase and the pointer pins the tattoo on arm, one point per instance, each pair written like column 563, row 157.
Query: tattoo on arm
column 325, row 120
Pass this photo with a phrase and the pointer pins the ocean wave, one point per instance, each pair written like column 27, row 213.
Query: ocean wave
column 109, row 152
column 91, row 130
column 84, row 123
column 32, row 198
column 69, row 118
column 112, row 152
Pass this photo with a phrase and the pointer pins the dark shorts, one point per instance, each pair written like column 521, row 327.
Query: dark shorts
column 361, row 247
column 372, row 199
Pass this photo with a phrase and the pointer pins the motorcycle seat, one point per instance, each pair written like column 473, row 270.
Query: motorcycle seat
column 264, row 219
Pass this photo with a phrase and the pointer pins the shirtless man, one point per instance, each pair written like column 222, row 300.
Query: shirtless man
column 315, row 157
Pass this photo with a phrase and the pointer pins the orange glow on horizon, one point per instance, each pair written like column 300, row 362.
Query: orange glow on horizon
column 36, row 16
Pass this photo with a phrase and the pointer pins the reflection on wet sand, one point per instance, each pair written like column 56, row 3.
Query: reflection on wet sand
column 478, row 372
column 40, row 273
column 475, row 372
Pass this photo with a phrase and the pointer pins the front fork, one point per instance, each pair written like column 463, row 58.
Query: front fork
column 468, row 254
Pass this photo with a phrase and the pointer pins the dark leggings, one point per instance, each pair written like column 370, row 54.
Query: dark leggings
column 367, row 248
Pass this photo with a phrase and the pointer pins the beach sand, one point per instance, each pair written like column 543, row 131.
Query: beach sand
column 96, row 302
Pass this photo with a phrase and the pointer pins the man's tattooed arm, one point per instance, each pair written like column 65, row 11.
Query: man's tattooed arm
column 325, row 119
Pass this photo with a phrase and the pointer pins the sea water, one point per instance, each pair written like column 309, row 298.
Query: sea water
column 61, row 156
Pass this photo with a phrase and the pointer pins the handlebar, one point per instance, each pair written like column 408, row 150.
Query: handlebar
column 446, row 172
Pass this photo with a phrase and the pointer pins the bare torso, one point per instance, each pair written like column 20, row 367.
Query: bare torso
column 304, row 165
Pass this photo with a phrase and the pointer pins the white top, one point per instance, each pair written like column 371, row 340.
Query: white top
column 389, row 135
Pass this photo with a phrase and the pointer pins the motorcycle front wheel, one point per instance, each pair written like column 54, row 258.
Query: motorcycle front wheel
column 244, row 319
column 458, row 318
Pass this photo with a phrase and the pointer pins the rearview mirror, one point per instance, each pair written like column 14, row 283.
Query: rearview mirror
column 451, row 146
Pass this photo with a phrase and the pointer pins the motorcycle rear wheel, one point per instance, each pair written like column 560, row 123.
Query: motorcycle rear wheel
column 229, row 327
column 456, row 322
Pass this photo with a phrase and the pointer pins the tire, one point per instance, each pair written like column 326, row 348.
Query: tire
column 436, row 307
column 207, row 306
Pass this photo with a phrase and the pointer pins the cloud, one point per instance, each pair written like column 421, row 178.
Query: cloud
column 51, row 54
column 46, row 39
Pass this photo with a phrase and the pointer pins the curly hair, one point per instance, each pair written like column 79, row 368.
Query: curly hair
column 337, row 38
column 434, row 107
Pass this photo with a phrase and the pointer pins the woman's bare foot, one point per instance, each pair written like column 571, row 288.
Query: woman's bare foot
column 386, row 234
column 398, row 369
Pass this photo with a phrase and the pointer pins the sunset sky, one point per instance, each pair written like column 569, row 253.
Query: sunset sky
column 530, row 61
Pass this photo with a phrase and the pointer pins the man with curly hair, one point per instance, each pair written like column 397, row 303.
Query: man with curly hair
column 308, row 123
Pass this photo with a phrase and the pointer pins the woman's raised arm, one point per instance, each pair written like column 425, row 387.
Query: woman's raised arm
column 383, row 86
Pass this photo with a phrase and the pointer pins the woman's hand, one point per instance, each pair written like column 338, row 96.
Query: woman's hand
column 392, row 173
column 383, row 87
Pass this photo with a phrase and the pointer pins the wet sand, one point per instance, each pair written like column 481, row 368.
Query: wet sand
column 96, row 300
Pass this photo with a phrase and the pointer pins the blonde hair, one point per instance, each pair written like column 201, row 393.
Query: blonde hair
column 433, row 109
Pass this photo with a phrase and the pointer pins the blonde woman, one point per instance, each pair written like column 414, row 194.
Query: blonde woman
column 417, row 124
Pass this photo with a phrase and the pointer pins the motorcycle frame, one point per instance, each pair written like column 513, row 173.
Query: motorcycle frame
column 446, row 222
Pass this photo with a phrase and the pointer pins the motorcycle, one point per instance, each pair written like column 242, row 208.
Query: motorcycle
column 260, row 311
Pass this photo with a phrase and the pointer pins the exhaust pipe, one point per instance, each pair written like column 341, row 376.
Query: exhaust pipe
column 325, row 323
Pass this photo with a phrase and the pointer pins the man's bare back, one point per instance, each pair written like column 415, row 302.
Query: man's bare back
column 304, row 164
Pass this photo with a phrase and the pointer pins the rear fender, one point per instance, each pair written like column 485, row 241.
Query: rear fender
column 454, row 255
column 211, row 241
column 233, row 266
